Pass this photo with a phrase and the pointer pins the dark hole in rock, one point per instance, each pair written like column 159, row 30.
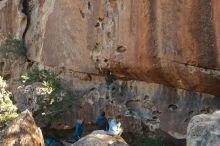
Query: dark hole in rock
column 80, row 107
column 82, row 13
column 203, row 111
column 121, row 94
column 97, row 24
column 89, row 77
column 121, row 49
column 190, row 112
column 100, row 19
column 1, row 66
column 156, row 112
column 89, row 5
column 206, row 110
column 92, row 89
column 113, row 88
column 105, row 60
column 97, row 60
column 154, row 117
column 186, row 120
column 146, row 97
column 172, row 107
column 109, row 34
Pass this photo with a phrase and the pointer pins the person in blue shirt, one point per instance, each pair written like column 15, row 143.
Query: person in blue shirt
column 78, row 130
column 115, row 127
column 102, row 122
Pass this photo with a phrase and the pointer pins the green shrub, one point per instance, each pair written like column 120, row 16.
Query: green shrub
column 49, row 93
column 13, row 46
column 49, row 79
column 51, row 98
column 8, row 111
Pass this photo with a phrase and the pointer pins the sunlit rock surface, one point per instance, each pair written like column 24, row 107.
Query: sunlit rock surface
column 100, row 138
column 22, row 131
column 12, row 20
column 174, row 43
column 204, row 130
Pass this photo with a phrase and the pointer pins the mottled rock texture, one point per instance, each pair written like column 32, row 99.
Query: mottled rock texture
column 204, row 130
column 141, row 104
column 12, row 20
column 22, row 131
column 174, row 43
column 100, row 138
column 13, row 23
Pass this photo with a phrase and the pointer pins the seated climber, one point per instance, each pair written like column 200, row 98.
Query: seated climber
column 115, row 126
column 78, row 130
column 102, row 122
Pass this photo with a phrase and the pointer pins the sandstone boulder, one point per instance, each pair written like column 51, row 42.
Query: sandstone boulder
column 204, row 130
column 100, row 138
column 22, row 131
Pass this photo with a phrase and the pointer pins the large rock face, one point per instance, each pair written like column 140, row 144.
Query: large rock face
column 174, row 43
column 204, row 130
column 173, row 46
column 22, row 131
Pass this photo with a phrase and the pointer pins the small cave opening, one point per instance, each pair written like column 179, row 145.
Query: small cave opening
column 190, row 113
column 2, row 66
column 82, row 13
column 89, row 6
column 105, row 60
column 97, row 24
column 206, row 110
column 27, row 11
column 172, row 107
column 121, row 49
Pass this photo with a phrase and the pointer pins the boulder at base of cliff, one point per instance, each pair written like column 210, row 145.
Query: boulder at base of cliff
column 204, row 130
column 23, row 132
column 100, row 138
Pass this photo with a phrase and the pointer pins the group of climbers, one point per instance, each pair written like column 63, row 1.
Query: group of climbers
column 113, row 127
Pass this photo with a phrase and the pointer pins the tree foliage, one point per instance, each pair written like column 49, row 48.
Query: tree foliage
column 8, row 111
column 12, row 46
